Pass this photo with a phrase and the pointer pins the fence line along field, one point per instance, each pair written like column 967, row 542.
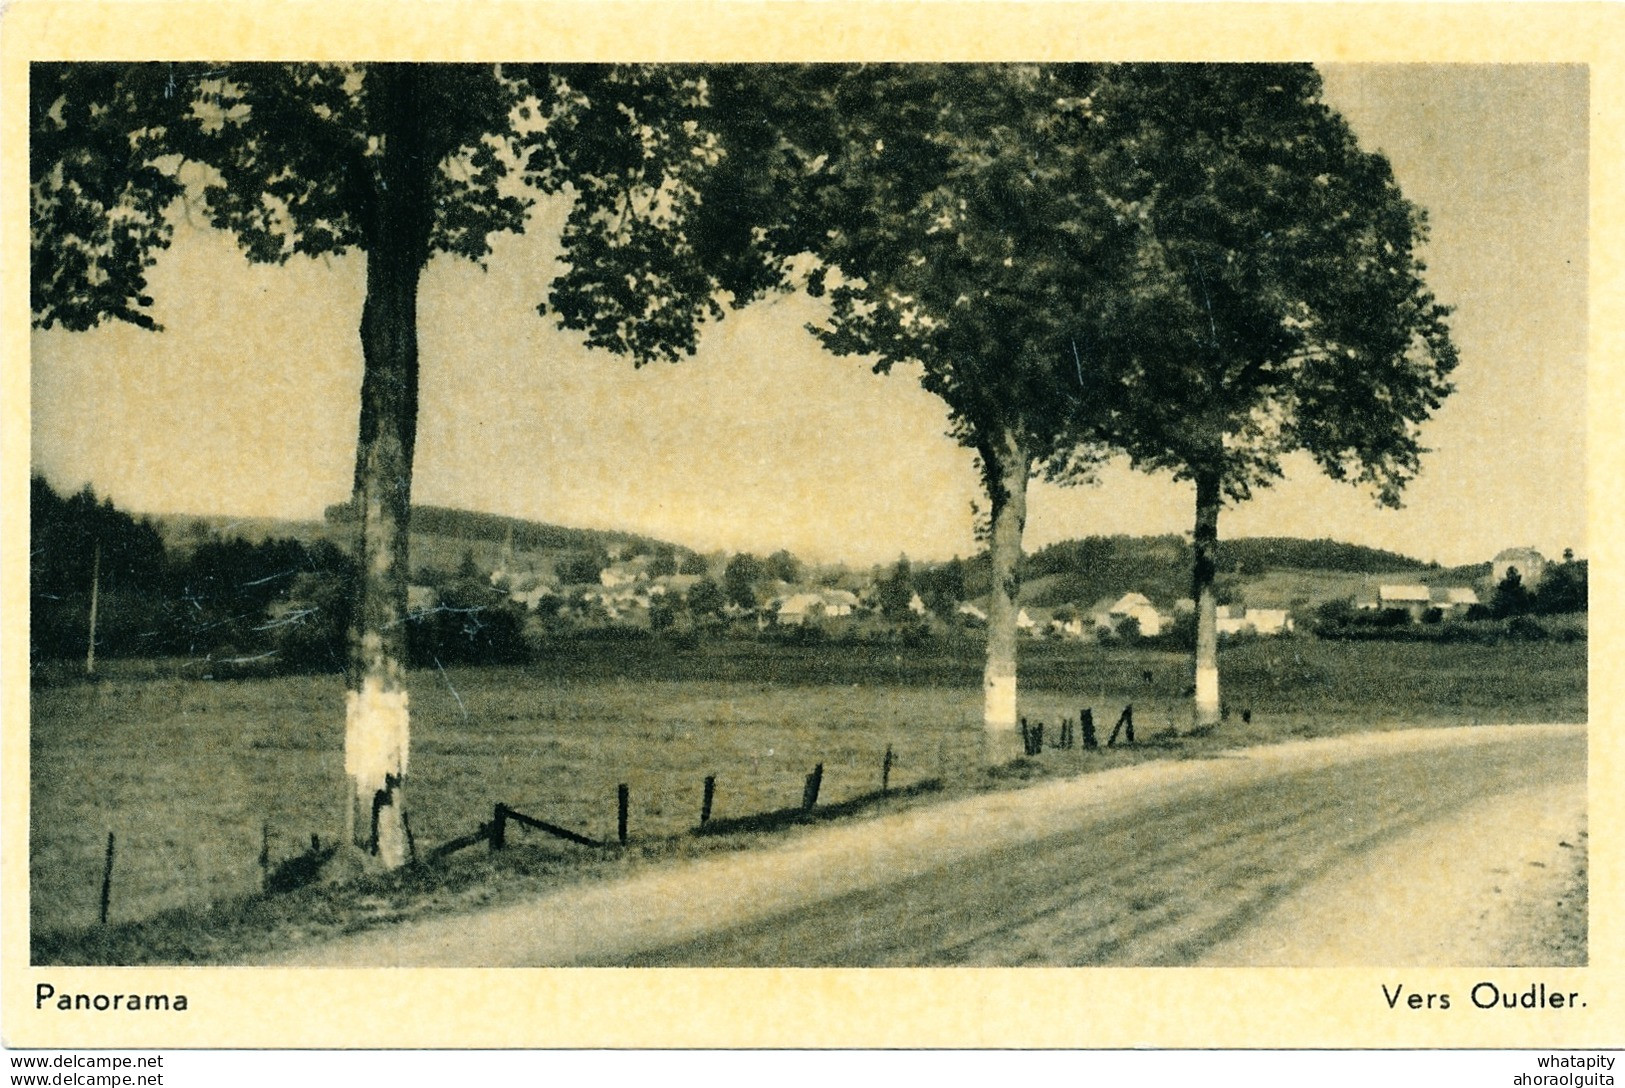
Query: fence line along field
column 189, row 773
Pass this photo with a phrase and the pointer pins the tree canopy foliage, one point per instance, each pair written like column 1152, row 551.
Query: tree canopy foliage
column 951, row 215
column 1278, row 301
column 400, row 161
column 954, row 217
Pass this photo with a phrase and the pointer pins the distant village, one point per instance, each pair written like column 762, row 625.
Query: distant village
column 488, row 589
column 651, row 591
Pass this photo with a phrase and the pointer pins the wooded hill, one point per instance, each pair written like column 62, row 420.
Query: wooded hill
column 441, row 536
column 1263, row 571
column 1266, row 571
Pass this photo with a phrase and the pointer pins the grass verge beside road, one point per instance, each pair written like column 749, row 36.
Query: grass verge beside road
column 189, row 774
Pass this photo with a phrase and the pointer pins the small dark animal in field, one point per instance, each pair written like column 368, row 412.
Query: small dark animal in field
column 1247, row 715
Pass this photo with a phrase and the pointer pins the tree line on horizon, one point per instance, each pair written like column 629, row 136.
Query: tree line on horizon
column 278, row 604
column 1194, row 266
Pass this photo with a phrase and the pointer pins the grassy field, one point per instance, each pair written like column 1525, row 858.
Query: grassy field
column 187, row 772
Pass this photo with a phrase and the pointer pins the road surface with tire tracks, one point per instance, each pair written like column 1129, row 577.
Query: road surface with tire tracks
column 1171, row 862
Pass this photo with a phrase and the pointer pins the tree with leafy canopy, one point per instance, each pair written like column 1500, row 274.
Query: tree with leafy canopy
column 706, row 600
column 954, row 222
column 399, row 162
column 942, row 587
column 1511, row 596
column 80, row 545
column 740, row 578
column 1277, row 304
column 895, row 592
column 782, row 566
column 1564, row 586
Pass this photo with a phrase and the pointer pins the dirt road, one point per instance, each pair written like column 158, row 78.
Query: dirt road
column 1377, row 849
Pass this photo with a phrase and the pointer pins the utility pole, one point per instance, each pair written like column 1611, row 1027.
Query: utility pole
column 95, row 590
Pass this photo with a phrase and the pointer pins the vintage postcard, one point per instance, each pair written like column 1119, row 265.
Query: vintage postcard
column 711, row 524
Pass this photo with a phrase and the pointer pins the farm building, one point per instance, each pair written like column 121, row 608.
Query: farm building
column 971, row 613
column 839, row 602
column 795, row 609
column 1455, row 600
column 1415, row 599
column 628, row 573
column 1137, row 607
column 1451, row 602
column 798, row 608
column 1236, row 620
column 1070, row 626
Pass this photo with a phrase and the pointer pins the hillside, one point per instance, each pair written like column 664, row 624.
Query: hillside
column 441, row 536
column 180, row 532
column 1263, row 572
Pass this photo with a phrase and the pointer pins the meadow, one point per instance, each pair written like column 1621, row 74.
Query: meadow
column 189, row 773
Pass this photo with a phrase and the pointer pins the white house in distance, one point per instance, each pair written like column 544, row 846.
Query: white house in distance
column 1136, row 607
column 1458, row 599
column 796, row 609
column 1235, row 620
column 1072, row 628
column 618, row 575
column 1415, row 599
column 1452, row 602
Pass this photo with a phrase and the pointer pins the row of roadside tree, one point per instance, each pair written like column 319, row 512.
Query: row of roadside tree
column 1194, row 266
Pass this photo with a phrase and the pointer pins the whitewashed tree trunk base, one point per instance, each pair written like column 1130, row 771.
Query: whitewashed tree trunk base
column 999, row 703
column 1001, row 747
column 1001, row 740
column 376, row 737
column 1207, row 695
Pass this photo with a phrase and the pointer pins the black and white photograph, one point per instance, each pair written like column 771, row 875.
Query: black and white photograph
column 662, row 512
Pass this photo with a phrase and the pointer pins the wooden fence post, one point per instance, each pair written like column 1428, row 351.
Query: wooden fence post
column 710, row 793
column 809, row 794
column 499, row 826
column 1125, row 725
column 107, row 878
column 265, row 855
column 623, row 800
column 885, row 772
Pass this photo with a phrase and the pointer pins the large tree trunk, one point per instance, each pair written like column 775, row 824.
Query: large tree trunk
column 1206, row 546
column 376, row 739
column 1005, row 466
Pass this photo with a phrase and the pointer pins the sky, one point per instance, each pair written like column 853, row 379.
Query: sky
column 247, row 403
